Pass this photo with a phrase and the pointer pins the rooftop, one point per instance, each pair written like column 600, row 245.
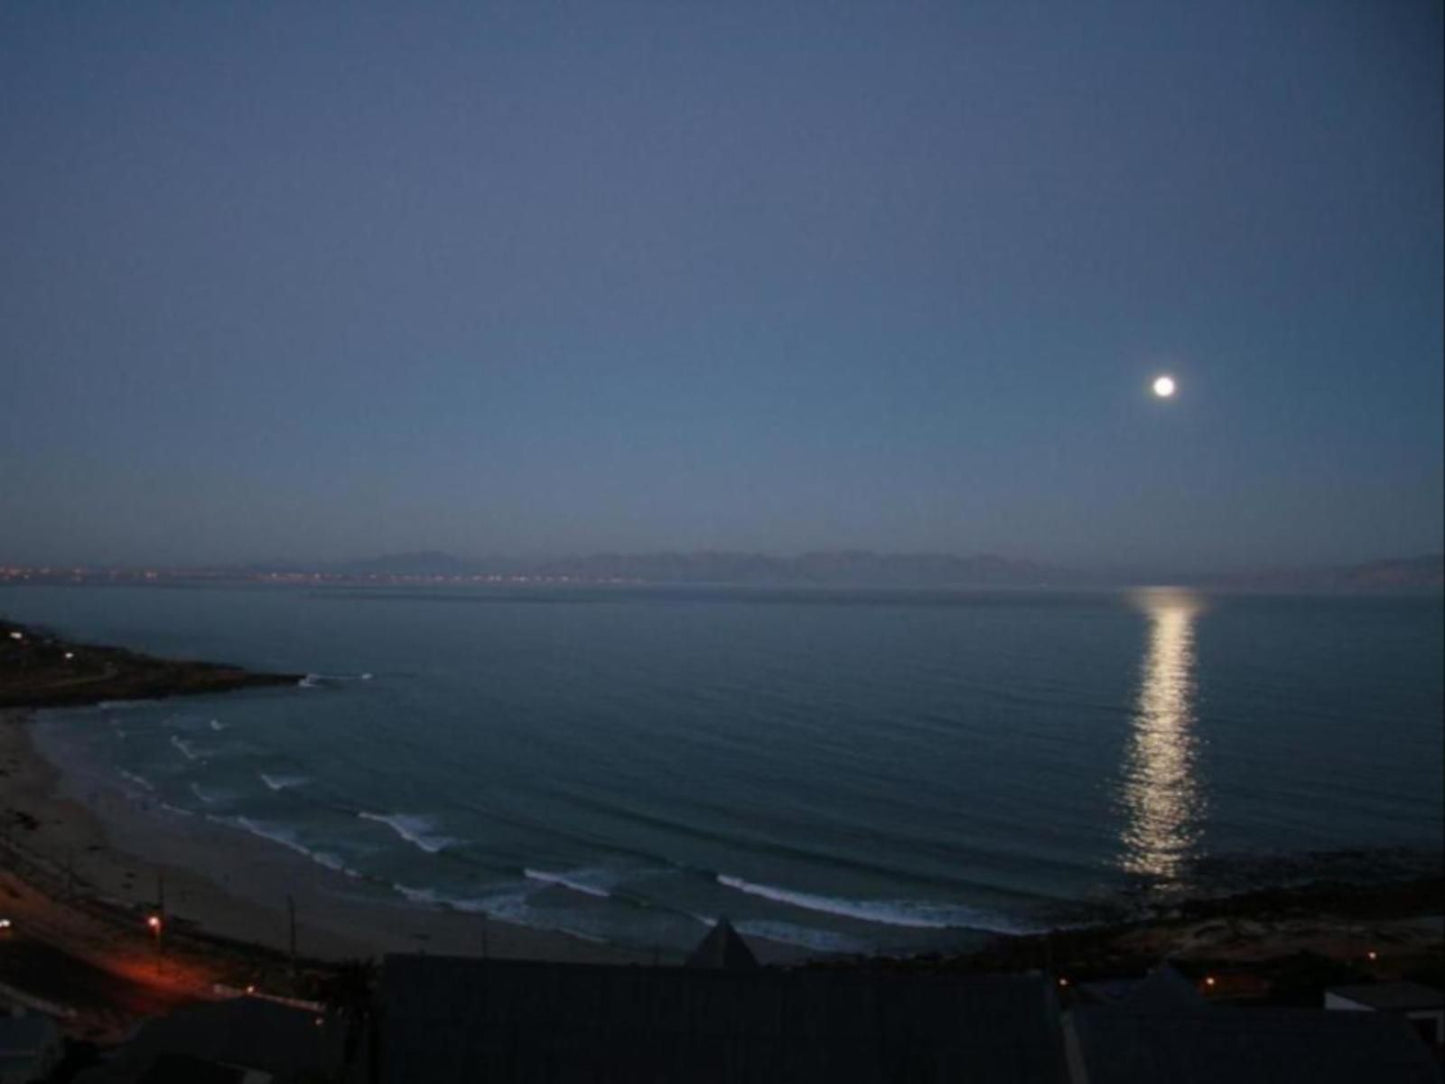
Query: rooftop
column 1392, row 996
column 464, row 1019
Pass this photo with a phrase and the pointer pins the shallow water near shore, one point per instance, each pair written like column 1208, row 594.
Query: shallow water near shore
column 840, row 770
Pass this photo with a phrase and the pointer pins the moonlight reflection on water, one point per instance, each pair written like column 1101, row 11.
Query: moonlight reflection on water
column 1160, row 793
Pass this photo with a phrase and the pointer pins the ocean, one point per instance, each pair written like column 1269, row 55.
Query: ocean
column 841, row 770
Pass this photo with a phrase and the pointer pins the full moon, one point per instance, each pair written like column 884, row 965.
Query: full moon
column 1164, row 387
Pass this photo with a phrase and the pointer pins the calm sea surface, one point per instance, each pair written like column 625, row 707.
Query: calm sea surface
column 838, row 769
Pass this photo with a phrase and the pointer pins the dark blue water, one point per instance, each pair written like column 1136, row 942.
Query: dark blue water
column 882, row 770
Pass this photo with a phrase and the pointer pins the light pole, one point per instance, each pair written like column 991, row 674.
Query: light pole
column 156, row 927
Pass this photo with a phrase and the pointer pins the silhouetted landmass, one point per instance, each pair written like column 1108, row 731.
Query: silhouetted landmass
column 823, row 567
column 835, row 568
column 38, row 669
column 1405, row 574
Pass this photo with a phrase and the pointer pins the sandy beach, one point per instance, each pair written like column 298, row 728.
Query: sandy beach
column 86, row 857
column 81, row 878
column 85, row 836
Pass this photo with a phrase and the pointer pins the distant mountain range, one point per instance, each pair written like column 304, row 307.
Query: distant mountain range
column 823, row 567
column 1410, row 573
column 860, row 568
column 868, row 568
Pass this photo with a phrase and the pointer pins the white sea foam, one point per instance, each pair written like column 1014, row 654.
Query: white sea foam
column 209, row 797
column 508, row 905
column 288, row 839
column 582, row 880
column 281, row 782
column 138, row 780
column 217, row 725
column 313, row 681
column 187, row 750
column 416, row 829
column 804, row 936
column 914, row 914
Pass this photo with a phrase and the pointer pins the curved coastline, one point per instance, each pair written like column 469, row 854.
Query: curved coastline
column 85, row 858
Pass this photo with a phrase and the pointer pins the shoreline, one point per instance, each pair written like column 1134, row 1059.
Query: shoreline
column 39, row 669
column 86, row 860
column 83, row 864
column 81, row 875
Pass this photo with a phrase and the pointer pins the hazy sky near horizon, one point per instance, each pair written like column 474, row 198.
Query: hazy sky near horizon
column 329, row 280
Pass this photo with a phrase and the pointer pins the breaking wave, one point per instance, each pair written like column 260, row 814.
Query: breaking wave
column 138, row 780
column 804, row 936
column 315, row 681
column 417, row 830
column 509, row 905
column 582, row 880
column 913, row 914
column 209, row 797
column 186, row 749
column 281, row 782
column 288, row 839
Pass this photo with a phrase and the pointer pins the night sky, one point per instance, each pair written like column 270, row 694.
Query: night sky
column 320, row 281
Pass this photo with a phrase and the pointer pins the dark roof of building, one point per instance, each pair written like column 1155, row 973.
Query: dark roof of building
column 455, row 1019
column 723, row 947
column 1248, row 1046
column 252, row 1032
column 1392, row 996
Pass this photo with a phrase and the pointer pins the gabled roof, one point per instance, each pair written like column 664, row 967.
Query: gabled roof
column 723, row 947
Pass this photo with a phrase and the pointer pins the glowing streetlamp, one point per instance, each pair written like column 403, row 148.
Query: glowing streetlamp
column 156, row 927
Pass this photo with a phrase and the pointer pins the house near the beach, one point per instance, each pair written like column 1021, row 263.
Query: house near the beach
column 720, row 1020
column 1162, row 1030
column 1422, row 1006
